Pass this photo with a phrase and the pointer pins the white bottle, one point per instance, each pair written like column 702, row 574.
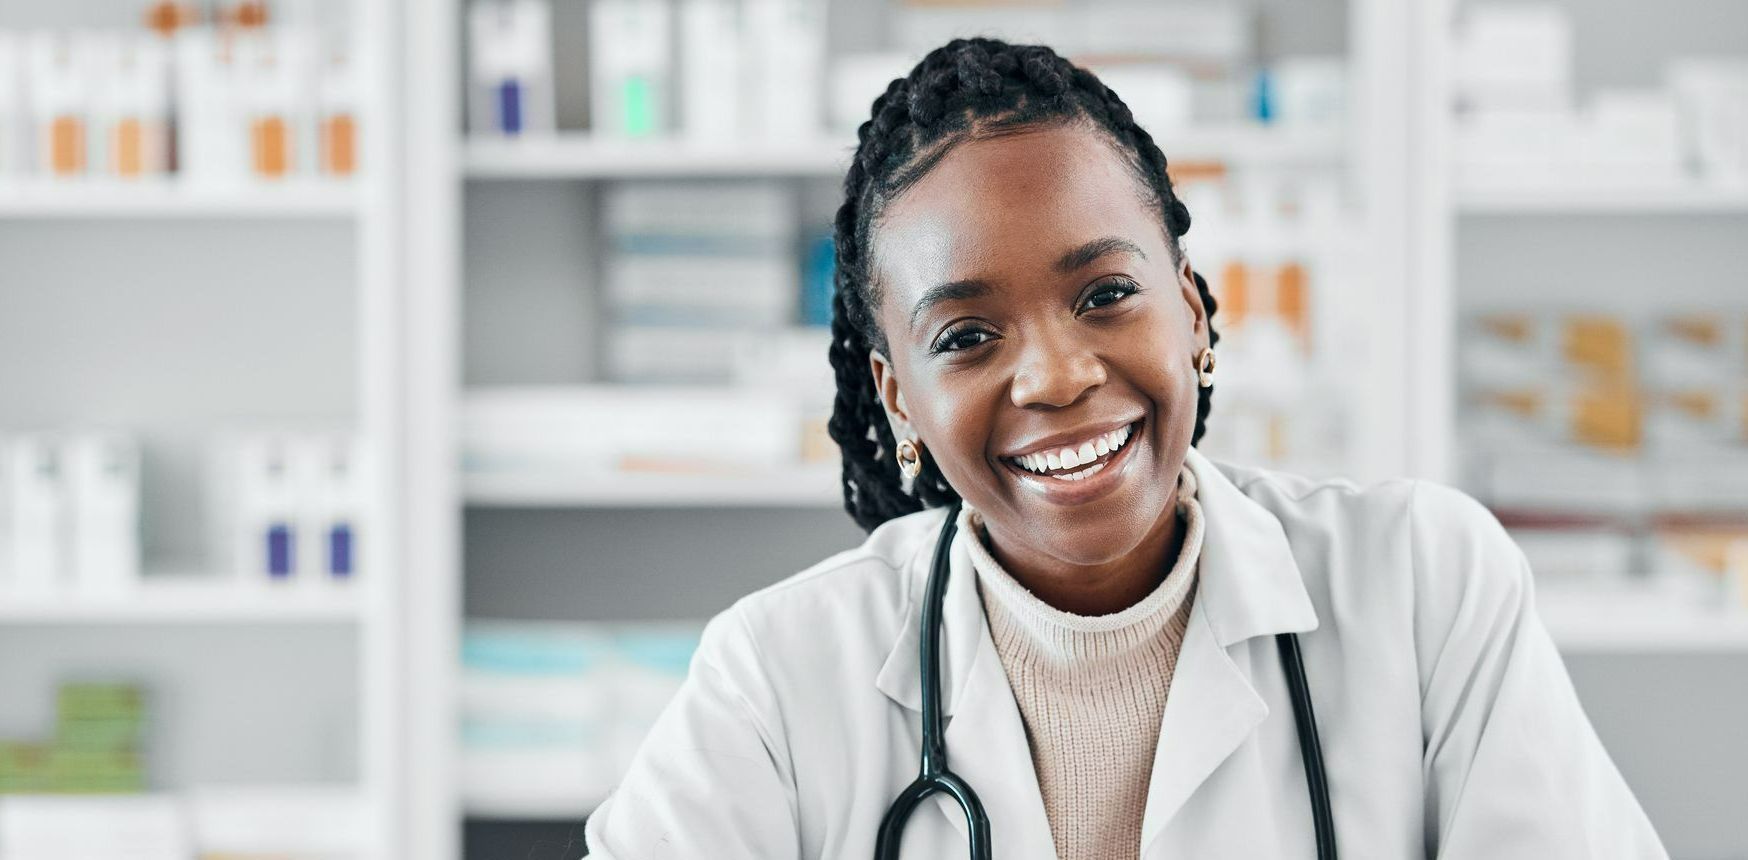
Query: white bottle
column 786, row 53
column 510, row 89
column 630, row 70
column 5, row 518
column 39, row 514
column 59, row 99
column 14, row 151
column 712, row 67
column 330, row 476
column 265, row 528
column 211, row 131
column 337, row 115
column 103, row 474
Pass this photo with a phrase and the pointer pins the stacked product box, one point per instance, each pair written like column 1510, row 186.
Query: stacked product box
column 587, row 431
column 1519, row 117
column 694, row 270
column 97, row 746
column 1177, row 65
column 552, row 713
column 1613, row 445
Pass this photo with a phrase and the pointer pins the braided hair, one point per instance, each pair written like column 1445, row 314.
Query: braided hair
column 964, row 89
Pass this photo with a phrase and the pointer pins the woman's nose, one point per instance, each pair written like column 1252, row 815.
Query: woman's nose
column 1056, row 371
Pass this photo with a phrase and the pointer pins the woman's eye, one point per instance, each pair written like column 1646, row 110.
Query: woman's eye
column 962, row 339
column 1111, row 294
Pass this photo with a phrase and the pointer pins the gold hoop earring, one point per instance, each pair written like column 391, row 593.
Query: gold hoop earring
column 910, row 458
column 1205, row 367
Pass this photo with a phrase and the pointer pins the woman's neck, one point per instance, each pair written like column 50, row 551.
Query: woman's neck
column 1098, row 589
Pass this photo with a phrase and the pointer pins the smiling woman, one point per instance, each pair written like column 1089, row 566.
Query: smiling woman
column 1024, row 362
column 1028, row 200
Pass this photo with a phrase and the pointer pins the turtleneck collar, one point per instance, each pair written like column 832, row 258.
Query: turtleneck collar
column 1026, row 627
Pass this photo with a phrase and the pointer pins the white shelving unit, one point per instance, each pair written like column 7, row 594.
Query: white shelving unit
column 577, row 155
column 799, row 487
column 182, row 602
column 1642, row 659
column 192, row 630
column 1612, row 198
column 171, row 200
column 1636, row 623
column 581, row 156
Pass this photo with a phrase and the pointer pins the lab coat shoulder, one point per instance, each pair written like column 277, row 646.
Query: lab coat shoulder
column 1513, row 767
column 1426, row 605
column 752, row 690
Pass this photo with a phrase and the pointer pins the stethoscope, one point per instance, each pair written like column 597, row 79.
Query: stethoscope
column 935, row 777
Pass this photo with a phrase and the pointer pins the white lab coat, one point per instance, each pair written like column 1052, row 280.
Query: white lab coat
column 1449, row 726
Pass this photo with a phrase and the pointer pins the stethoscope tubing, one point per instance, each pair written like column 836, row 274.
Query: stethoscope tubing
column 1310, row 745
column 934, row 775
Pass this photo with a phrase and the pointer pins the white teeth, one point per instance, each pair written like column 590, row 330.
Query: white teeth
column 1070, row 458
column 1080, row 475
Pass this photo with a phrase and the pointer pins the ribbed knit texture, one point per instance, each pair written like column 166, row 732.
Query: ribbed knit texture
column 1092, row 690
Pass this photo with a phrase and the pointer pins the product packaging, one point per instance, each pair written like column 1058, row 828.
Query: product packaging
column 14, row 111
column 510, row 85
column 1711, row 95
column 786, row 52
column 337, row 115
column 713, row 69
column 58, row 88
column 40, row 512
column 631, row 67
column 103, row 477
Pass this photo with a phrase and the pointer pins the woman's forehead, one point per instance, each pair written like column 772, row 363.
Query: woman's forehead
column 1010, row 204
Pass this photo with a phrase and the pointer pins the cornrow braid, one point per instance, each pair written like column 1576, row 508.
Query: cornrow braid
column 964, row 89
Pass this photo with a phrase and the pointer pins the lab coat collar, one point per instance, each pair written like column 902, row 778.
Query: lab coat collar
column 1248, row 586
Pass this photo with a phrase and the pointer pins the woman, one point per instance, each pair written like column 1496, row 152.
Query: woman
column 1022, row 345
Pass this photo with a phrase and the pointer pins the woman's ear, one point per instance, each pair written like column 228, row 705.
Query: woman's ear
column 1186, row 276
column 886, row 385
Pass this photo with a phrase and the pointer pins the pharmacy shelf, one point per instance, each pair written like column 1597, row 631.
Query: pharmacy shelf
column 581, row 156
column 1601, row 198
column 184, row 602
column 1639, row 620
column 527, row 808
column 172, row 200
column 804, row 487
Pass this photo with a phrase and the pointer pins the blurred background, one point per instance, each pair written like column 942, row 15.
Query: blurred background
column 390, row 389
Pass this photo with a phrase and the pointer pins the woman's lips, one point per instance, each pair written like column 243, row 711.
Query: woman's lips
column 1095, row 485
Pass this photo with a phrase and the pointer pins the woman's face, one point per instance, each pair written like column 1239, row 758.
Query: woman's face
column 1031, row 304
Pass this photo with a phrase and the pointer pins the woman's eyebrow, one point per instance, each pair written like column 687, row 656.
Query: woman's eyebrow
column 1095, row 249
column 947, row 292
column 973, row 288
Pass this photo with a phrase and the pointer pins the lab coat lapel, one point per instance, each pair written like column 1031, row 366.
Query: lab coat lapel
column 986, row 738
column 1248, row 586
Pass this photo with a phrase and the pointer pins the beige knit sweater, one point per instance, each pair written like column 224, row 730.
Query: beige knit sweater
column 1092, row 690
